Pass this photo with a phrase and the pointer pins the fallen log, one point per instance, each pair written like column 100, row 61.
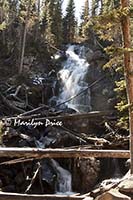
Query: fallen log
column 16, row 196
column 35, row 110
column 61, row 153
column 85, row 138
column 99, row 114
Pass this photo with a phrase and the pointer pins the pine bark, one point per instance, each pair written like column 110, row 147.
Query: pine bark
column 128, row 66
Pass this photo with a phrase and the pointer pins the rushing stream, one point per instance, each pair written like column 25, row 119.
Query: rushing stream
column 64, row 179
column 72, row 77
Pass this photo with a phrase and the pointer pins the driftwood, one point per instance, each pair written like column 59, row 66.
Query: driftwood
column 15, row 161
column 104, row 188
column 97, row 141
column 61, row 153
column 101, row 190
column 36, row 110
column 10, row 104
column 15, row 96
column 20, row 100
column 90, row 115
column 16, row 196
column 33, row 178
column 43, row 113
column 85, row 138
column 78, row 136
column 17, row 90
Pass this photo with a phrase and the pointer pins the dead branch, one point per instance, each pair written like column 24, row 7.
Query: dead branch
column 36, row 110
column 91, row 115
column 34, row 177
column 15, row 161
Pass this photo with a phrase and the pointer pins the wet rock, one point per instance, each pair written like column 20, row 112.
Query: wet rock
column 47, row 172
column 86, row 173
column 19, row 179
column 113, row 194
column 9, row 188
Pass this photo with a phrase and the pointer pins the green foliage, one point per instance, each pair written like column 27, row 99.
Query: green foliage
column 123, row 122
column 49, row 35
column 58, row 23
column 108, row 5
column 3, row 26
column 94, row 7
column 121, row 85
column 85, row 12
column 84, row 18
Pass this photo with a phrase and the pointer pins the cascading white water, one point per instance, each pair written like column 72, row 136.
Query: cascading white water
column 73, row 80
column 64, row 179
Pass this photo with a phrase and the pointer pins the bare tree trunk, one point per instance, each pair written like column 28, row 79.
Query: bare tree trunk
column 38, row 19
column 128, row 73
column 24, row 38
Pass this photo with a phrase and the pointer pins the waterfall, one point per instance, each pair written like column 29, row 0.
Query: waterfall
column 64, row 178
column 73, row 82
column 117, row 171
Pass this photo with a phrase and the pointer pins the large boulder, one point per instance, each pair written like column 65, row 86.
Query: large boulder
column 102, row 92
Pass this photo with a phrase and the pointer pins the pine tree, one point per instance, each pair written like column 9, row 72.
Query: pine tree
column 69, row 23
column 58, row 23
column 49, row 16
column 8, row 23
column 86, row 11
column 84, row 18
column 94, row 7
column 110, row 4
column 52, row 22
